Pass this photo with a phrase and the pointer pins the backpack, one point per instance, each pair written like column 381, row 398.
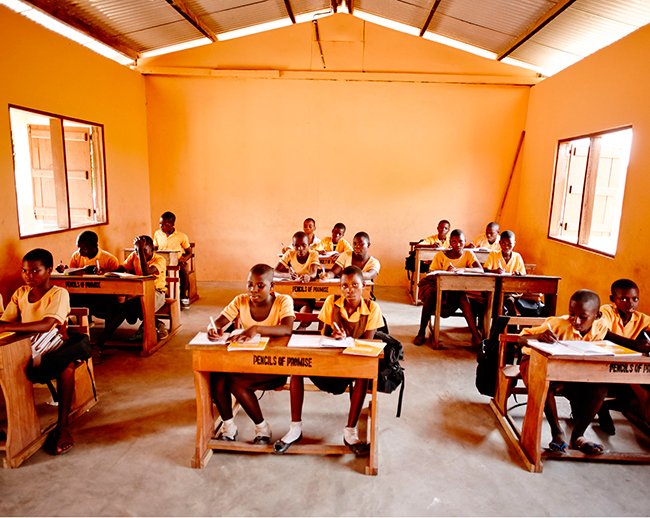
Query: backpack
column 488, row 358
column 390, row 373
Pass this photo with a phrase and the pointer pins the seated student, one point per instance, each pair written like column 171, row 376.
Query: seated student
column 506, row 261
column 309, row 227
column 629, row 328
column 441, row 238
column 582, row 323
column 95, row 261
column 142, row 261
column 343, row 315
column 90, row 256
column 336, row 243
column 489, row 240
column 452, row 260
column 36, row 308
column 259, row 311
column 358, row 257
column 168, row 238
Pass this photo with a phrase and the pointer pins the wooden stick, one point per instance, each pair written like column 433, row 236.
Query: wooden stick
column 512, row 172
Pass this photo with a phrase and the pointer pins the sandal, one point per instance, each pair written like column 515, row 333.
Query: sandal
column 58, row 442
column 558, row 446
column 419, row 339
column 589, row 447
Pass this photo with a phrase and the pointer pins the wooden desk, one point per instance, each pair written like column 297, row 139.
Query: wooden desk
column 277, row 358
column 315, row 289
column 483, row 282
column 426, row 253
column 25, row 435
column 142, row 287
column 547, row 285
column 542, row 370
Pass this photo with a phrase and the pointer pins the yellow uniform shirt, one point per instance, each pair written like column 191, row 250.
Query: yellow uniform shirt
column 107, row 262
column 327, row 245
column 373, row 311
column 495, row 260
column 175, row 242
column 434, row 240
column 55, row 303
column 565, row 331
column 132, row 264
column 442, row 262
column 639, row 322
column 482, row 242
column 315, row 242
column 240, row 308
column 290, row 259
column 345, row 260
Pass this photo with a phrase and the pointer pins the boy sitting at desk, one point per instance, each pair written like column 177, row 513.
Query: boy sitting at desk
column 358, row 257
column 36, row 308
column 259, row 311
column 336, row 243
column 142, row 261
column 346, row 315
column 509, row 262
column 489, row 240
column 168, row 238
column 629, row 328
column 456, row 259
column 582, row 323
column 441, row 238
column 309, row 227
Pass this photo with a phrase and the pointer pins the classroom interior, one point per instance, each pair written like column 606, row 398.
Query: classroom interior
column 242, row 158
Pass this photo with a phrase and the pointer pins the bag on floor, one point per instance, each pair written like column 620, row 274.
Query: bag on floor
column 488, row 358
column 390, row 373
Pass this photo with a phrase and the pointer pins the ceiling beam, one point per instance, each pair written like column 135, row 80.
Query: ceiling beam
column 181, row 8
column 431, row 13
column 70, row 16
column 350, row 4
column 287, row 4
column 547, row 18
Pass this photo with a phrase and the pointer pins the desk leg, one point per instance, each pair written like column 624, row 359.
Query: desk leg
column 372, row 467
column 150, row 339
column 487, row 317
column 531, row 432
column 416, row 279
column 436, row 324
column 550, row 299
column 204, row 419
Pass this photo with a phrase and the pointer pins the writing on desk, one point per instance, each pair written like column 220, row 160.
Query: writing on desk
column 83, row 284
column 310, row 289
column 289, row 361
column 629, row 367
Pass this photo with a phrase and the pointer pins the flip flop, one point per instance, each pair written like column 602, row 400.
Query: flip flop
column 558, row 447
column 58, row 442
column 590, row 448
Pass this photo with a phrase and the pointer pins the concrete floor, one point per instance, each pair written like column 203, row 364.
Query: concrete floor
column 444, row 456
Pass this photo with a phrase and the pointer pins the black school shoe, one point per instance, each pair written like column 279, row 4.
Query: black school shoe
column 360, row 449
column 280, row 446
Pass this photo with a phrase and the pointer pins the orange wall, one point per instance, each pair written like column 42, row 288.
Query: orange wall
column 47, row 72
column 242, row 161
column 606, row 90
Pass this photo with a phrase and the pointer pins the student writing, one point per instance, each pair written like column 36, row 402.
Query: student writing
column 359, row 257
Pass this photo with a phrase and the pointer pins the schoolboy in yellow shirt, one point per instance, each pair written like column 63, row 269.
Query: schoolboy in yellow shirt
column 259, row 311
column 489, row 240
column 506, row 261
column 582, row 323
column 299, row 262
column 359, row 257
column 309, row 228
column 441, row 238
column 346, row 315
column 37, row 307
column 142, row 261
column 335, row 243
column 90, row 256
column 452, row 260
column 168, row 238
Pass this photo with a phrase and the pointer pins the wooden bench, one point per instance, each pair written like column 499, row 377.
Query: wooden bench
column 171, row 309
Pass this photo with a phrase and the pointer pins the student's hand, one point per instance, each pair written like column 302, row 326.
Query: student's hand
column 214, row 334
column 643, row 346
column 138, row 243
column 547, row 336
column 305, row 278
column 335, row 256
column 518, row 274
column 245, row 336
column 91, row 270
column 499, row 270
column 338, row 333
column 452, row 268
column 285, row 248
column 60, row 268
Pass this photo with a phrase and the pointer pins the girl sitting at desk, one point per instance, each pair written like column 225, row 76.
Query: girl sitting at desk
column 456, row 259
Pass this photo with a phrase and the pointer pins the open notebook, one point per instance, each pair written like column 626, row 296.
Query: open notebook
column 582, row 348
column 318, row 342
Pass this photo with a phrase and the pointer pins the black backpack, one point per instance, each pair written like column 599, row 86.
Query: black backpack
column 488, row 358
column 391, row 373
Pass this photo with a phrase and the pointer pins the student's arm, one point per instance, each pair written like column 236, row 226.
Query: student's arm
column 370, row 275
column 334, row 272
column 220, row 324
column 282, row 271
column 145, row 268
column 41, row 326
column 313, row 273
column 642, row 346
column 284, row 329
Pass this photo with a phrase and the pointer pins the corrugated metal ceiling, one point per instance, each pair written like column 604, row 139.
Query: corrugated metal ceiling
column 547, row 35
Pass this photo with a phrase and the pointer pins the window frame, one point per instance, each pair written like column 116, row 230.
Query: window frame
column 99, row 193
column 590, row 174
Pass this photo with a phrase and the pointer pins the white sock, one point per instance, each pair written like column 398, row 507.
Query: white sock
column 229, row 428
column 263, row 429
column 351, row 435
column 295, row 431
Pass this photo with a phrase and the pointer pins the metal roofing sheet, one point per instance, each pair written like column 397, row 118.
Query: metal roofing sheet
column 547, row 59
column 412, row 13
column 162, row 36
column 475, row 35
column 632, row 12
column 309, row 6
column 237, row 17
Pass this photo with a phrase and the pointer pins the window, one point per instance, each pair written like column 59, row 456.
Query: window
column 59, row 172
column 588, row 190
